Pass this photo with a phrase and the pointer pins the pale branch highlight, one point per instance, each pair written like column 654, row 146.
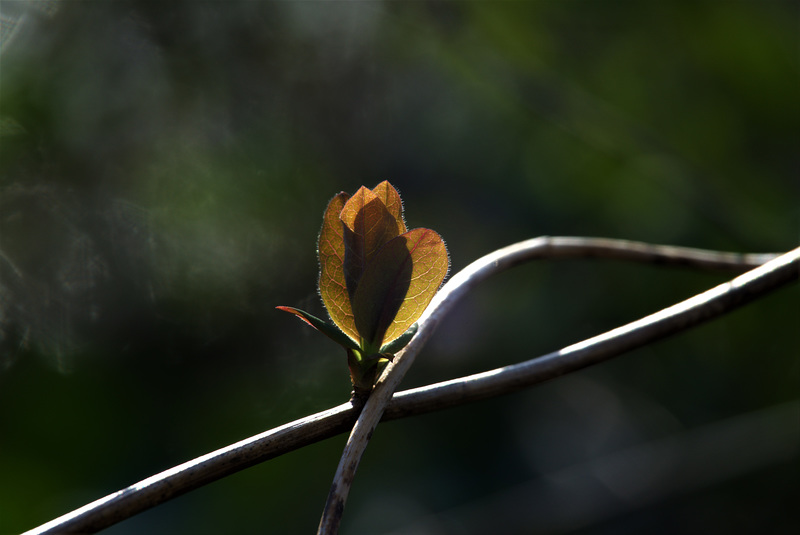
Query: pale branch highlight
column 458, row 286
column 778, row 271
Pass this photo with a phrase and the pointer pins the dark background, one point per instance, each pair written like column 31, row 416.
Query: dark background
column 163, row 172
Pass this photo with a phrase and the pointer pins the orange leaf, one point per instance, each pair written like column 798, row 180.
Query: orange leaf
column 391, row 199
column 368, row 224
column 398, row 285
column 332, row 284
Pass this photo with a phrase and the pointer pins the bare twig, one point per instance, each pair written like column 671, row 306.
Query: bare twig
column 178, row 480
column 457, row 287
column 677, row 318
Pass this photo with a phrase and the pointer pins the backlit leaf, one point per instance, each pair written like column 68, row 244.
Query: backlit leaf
column 391, row 199
column 332, row 284
column 397, row 286
column 368, row 225
column 399, row 343
column 322, row 326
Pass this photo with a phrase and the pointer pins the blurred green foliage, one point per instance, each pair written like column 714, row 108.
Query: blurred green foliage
column 163, row 172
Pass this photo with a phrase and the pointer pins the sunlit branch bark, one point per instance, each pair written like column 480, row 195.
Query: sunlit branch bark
column 457, row 287
column 677, row 318
column 294, row 435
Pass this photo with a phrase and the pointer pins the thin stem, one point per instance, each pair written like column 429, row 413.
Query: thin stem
column 180, row 479
column 676, row 318
column 457, row 287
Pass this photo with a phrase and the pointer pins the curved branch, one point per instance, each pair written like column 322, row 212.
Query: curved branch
column 183, row 478
column 676, row 318
column 457, row 287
